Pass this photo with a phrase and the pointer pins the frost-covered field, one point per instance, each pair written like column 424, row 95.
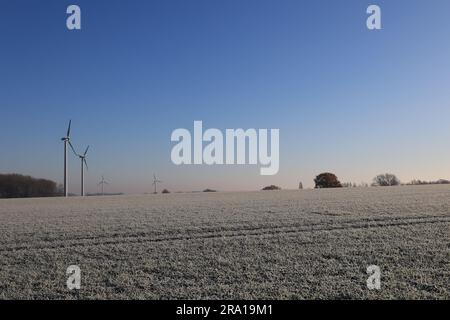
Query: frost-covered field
column 277, row 245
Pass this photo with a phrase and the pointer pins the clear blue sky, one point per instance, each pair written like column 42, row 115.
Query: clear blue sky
column 346, row 99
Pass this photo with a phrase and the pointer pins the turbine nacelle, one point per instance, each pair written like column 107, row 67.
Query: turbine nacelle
column 84, row 154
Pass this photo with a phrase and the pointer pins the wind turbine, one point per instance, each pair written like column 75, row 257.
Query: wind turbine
column 155, row 182
column 66, row 140
column 102, row 183
column 83, row 163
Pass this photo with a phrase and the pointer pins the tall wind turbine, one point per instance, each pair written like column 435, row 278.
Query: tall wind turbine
column 155, row 182
column 102, row 183
column 83, row 163
column 66, row 140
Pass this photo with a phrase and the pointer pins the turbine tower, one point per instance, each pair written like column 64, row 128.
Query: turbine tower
column 83, row 163
column 66, row 140
column 155, row 182
column 102, row 183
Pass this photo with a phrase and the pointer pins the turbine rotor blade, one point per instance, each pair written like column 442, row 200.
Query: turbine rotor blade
column 85, row 163
column 86, row 150
column 73, row 150
column 68, row 128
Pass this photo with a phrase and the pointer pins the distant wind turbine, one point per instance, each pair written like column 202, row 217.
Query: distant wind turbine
column 102, row 183
column 83, row 163
column 66, row 140
column 155, row 182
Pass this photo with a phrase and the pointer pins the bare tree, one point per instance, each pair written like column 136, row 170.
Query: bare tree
column 364, row 185
column 386, row 180
column 349, row 185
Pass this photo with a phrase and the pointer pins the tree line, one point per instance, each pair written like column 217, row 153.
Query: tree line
column 330, row 180
column 20, row 186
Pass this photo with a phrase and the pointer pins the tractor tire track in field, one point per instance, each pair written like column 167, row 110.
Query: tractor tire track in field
column 215, row 233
